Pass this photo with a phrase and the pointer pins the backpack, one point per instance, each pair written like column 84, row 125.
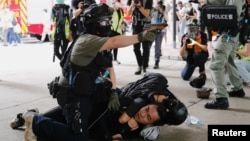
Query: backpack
column 212, row 16
column 222, row 16
column 149, row 83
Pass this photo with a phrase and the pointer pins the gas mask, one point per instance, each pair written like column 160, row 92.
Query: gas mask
column 193, row 31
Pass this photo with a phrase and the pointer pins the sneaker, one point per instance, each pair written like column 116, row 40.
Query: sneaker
column 19, row 120
column 238, row 93
column 28, row 133
column 219, row 103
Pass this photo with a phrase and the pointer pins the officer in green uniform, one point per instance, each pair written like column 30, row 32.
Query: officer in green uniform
column 223, row 60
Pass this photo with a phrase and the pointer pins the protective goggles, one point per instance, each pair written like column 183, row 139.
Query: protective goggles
column 104, row 22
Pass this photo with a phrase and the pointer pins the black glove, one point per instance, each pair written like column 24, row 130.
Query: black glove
column 114, row 103
column 53, row 87
column 148, row 35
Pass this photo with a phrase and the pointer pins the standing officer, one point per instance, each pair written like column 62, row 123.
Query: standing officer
column 223, row 59
column 61, row 15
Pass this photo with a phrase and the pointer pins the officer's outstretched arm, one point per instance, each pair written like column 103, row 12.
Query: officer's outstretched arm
column 125, row 41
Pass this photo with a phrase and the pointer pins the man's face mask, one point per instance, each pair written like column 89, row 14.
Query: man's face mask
column 103, row 27
column 104, row 22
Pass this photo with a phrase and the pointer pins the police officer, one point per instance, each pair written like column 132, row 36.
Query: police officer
column 77, row 86
column 223, row 60
column 61, row 16
column 156, row 106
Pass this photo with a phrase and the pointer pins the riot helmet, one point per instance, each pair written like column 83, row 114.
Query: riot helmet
column 172, row 112
column 98, row 20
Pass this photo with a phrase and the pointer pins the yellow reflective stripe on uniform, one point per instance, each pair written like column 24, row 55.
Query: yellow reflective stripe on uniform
column 67, row 30
column 53, row 34
column 246, row 58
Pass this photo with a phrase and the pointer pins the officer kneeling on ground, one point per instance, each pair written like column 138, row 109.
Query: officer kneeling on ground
column 77, row 85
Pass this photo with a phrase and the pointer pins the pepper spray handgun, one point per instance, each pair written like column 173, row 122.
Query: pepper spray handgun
column 155, row 26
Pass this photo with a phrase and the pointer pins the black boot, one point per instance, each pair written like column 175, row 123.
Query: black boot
column 138, row 72
column 238, row 93
column 219, row 103
column 144, row 69
column 156, row 65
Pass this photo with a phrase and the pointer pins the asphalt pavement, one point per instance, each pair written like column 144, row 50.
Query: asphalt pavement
column 26, row 69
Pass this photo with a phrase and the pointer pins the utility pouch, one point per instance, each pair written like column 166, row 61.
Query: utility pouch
column 63, row 97
column 103, row 86
column 74, row 117
column 77, row 124
column 83, row 83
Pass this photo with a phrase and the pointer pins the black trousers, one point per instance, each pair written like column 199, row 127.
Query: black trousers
column 60, row 43
column 142, row 57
